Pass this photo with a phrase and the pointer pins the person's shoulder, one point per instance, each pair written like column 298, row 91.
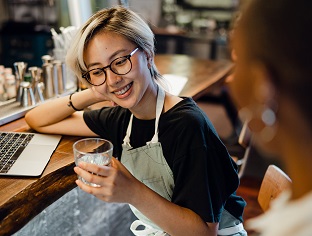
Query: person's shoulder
column 188, row 109
column 186, row 104
column 186, row 114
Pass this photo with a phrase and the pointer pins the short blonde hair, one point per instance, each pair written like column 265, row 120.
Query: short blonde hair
column 118, row 20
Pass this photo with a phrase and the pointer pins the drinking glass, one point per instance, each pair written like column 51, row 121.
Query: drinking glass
column 93, row 150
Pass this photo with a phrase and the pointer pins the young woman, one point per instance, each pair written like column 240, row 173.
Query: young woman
column 170, row 166
column 273, row 87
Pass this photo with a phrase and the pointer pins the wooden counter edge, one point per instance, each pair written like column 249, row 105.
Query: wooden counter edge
column 35, row 198
column 222, row 79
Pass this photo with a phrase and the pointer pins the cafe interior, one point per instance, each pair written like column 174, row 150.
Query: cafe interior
column 193, row 52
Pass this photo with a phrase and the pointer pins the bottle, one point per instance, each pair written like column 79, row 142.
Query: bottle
column 27, row 77
column 9, row 86
column 2, row 90
column 20, row 69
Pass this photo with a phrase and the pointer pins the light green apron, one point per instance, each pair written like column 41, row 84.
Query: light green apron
column 148, row 164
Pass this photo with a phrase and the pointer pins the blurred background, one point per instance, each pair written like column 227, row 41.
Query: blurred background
column 194, row 27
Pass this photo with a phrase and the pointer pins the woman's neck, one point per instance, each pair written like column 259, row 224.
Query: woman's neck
column 146, row 108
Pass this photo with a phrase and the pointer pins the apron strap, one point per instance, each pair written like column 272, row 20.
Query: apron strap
column 159, row 107
column 148, row 230
column 126, row 139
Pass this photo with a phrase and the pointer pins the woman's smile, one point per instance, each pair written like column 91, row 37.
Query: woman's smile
column 124, row 92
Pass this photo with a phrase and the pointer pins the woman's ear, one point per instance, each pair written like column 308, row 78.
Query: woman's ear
column 149, row 60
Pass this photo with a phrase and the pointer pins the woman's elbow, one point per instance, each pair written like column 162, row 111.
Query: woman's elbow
column 32, row 122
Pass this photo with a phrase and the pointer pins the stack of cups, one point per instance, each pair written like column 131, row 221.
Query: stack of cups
column 20, row 70
column 43, row 83
column 7, row 84
column 54, row 76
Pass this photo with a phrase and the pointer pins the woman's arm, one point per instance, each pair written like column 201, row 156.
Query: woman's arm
column 173, row 219
column 118, row 185
column 57, row 117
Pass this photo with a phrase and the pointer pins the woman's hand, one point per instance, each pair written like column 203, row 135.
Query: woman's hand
column 116, row 183
column 99, row 96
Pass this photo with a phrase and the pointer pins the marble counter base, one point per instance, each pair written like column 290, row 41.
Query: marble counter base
column 78, row 213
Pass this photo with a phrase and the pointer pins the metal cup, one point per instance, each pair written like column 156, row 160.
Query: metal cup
column 20, row 69
column 37, row 86
column 27, row 96
column 49, row 85
column 35, row 73
column 46, row 59
column 38, row 92
column 59, row 76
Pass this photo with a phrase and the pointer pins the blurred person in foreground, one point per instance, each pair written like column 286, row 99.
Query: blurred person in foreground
column 273, row 87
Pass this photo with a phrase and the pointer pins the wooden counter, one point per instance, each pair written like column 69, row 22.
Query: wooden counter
column 21, row 199
column 202, row 74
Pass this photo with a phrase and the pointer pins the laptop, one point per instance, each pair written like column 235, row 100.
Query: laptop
column 26, row 154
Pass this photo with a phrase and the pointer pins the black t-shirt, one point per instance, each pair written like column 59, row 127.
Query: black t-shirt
column 205, row 175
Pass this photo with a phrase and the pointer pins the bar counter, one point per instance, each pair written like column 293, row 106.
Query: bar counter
column 21, row 199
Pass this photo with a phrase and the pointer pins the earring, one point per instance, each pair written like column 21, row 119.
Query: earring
column 268, row 117
column 151, row 72
column 262, row 122
column 149, row 64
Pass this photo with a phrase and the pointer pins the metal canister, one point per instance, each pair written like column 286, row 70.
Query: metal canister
column 27, row 96
column 20, row 69
column 59, row 77
column 46, row 59
column 47, row 75
column 37, row 85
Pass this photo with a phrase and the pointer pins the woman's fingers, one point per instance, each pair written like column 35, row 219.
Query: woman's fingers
column 98, row 95
column 87, row 188
column 96, row 169
column 115, row 181
column 103, row 189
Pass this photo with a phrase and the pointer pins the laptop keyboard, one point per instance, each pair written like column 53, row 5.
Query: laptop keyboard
column 11, row 146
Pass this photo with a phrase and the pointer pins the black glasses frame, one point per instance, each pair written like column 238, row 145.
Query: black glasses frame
column 86, row 75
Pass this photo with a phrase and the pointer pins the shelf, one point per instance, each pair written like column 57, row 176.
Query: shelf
column 12, row 110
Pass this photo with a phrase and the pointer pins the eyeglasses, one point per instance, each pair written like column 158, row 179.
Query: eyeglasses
column 120, row 66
